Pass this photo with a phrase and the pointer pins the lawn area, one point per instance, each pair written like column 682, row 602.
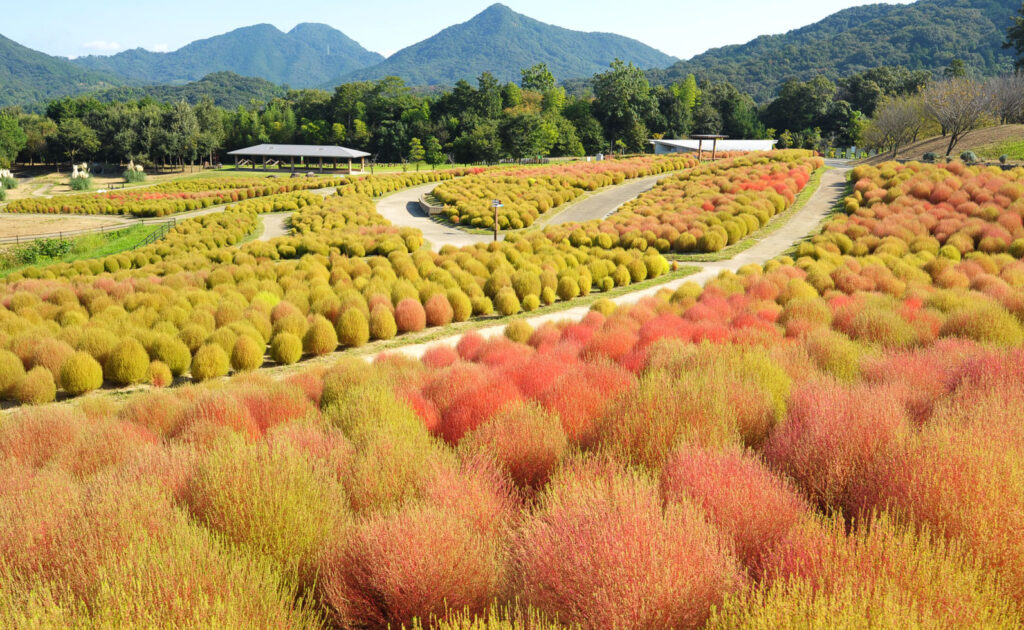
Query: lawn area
column 52, row 250
column 1013, row 149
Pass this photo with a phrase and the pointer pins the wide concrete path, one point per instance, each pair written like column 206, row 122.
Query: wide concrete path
column 800, row 225
column 605, row 202
column 403, row 209
column 276, row 224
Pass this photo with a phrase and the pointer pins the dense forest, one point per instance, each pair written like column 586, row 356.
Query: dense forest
column 485, row 122
column 925, row 35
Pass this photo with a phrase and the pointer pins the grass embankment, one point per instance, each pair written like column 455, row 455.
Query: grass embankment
column 52, row 250
column 1012, row 149
column 750, row 240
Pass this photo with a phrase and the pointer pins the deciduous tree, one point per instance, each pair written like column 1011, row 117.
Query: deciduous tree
column 959, row 105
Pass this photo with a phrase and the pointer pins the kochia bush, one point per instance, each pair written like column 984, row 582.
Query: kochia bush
column 80, row 374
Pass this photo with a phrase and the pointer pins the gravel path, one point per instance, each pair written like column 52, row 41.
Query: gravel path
column 800, row 225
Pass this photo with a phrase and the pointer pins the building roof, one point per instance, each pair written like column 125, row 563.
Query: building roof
column 301, row 150
column 723, row 145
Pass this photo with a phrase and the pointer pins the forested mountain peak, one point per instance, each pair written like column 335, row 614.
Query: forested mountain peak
column 924, row 35
column 500, row 41
column 308, row 55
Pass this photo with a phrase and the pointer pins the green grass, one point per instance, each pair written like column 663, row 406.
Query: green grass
column 84, row 247
column 1014, row 149
column 752, row 239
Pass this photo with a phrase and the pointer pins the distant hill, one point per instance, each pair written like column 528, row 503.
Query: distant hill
column 309, row 55
column 227, row 89
column 28, row 76
column 923, row 35
column 503, row 42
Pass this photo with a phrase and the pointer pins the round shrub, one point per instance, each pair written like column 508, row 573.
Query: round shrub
column 36, row 388
column 462, row 307
column 210, row 362
column 247, row 354
column 410, row 316
column 285, row 348
column 174, row 353
column 382, row 323
column 482, row 305
column 160, row 374
column 321, row 337
column 12, row 370
column 531, row 303
column 603, row 306
column 519, row 331
column 569, row 288
column 127, row 364
column 80, row 374
column 438, row 310
column 548, row 295
column 506, row 302
column 353, row 329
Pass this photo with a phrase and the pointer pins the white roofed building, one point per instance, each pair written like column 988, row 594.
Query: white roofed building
column 306, row 154
column 662, row 147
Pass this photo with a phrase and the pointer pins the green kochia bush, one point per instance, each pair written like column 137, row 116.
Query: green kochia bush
column 286, row 348
column 80, row 374
column 127, row 364
column 210, row 362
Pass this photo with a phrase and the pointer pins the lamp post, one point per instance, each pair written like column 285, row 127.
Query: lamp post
column 496, row 204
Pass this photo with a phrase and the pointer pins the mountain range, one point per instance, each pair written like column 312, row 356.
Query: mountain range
column 309, row 55
column 924, row 35
column 503, row 42
column 927, row 34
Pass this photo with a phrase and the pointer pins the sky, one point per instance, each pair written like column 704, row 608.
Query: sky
column 681, row 28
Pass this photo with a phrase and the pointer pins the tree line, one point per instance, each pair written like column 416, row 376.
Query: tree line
column 485, row 122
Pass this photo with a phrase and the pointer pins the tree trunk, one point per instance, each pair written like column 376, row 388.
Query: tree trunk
column 952, row 143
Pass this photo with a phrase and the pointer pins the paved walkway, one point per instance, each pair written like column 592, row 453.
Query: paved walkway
column 403, row 209
column 803, row 223
column 605, row 202
column 276, row 224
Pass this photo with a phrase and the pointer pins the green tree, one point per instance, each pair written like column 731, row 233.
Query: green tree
column 12, row 140
column 416, row 152
column 538, row 78
column 956, row 69
column 480, row 144
column 525, row 135
column 433, row 153
column 75, row 139
column 40, row 131
column 1015, row 38
column 623, row 102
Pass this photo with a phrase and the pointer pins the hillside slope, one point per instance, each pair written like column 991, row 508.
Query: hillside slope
column 306, row 56
column 924, row 35
column 28, row 76
column 503, row 42
column 971, row 142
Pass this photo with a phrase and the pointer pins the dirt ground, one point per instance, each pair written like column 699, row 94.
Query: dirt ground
column 938, row 145
column 22, row 224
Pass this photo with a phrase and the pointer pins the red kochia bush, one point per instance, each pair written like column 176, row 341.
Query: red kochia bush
column 833, row 435
column 440, row 356
column 744, row 499
column 416, row 563
column 580, row 396
column 476, row 406
column 525, row 439
column 438, row 311
column 601, row 552
column 410, row 316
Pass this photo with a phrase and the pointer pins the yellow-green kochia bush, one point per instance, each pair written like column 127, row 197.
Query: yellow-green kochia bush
column 81, row 373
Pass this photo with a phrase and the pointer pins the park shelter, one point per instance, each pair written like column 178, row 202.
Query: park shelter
column 699, row 143
column 306, row 154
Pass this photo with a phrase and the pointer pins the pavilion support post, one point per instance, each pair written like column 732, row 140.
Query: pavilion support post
column 321, row 166
column 291, row 160
column 362, row 164
column 350, row 166
column 700, row 150
column 714, row 149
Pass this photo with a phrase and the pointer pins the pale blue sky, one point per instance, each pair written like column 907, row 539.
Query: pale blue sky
column 681, row 28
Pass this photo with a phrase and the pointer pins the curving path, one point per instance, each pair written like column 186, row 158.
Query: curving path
column 276, row 224
column 805, row 222
column 403, row 210
column 605, row 202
